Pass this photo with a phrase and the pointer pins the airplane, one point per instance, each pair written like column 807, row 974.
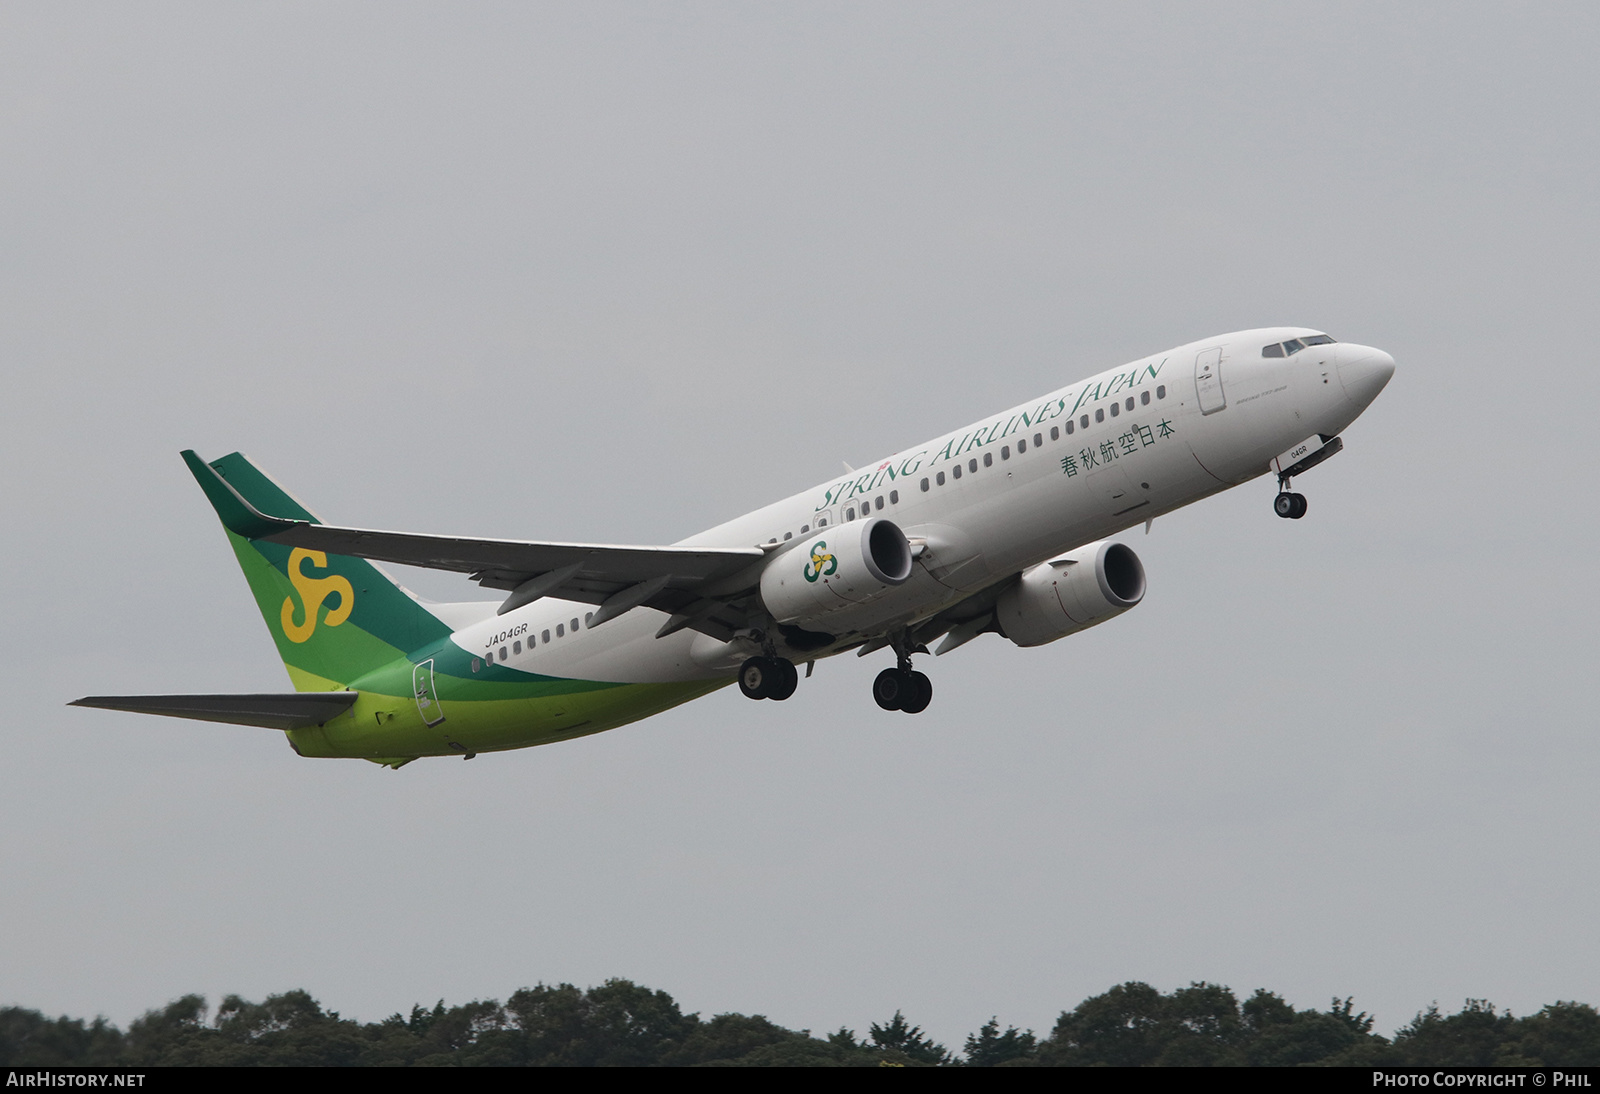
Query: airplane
column 1001, row 526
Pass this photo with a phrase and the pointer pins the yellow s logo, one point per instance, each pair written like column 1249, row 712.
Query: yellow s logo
column 313, row 590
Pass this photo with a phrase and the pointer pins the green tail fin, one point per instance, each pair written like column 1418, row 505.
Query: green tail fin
column 333, row 618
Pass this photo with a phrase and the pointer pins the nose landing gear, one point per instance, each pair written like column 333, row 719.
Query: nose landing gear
column 1297, row 461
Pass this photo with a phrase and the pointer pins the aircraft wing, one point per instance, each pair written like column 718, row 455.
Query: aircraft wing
column 699, row 586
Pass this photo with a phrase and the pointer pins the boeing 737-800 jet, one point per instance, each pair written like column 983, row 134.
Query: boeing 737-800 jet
column 998, row 526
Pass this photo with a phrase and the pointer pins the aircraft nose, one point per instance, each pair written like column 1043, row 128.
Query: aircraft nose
column 1364, row 371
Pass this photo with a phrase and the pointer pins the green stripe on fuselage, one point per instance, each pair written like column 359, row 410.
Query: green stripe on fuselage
column 387, row 727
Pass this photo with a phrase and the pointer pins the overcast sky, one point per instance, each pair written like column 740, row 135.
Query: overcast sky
column 622, row 272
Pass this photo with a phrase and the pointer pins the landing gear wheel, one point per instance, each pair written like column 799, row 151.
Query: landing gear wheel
column 921, row 694
column 1292, row 506
column 784, row 680
column 757, row 677
column 892, row 688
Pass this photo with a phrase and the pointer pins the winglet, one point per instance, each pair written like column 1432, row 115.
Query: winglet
column 237, row 515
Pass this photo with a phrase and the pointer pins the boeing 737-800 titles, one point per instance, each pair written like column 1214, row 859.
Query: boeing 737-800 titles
column 999, row 526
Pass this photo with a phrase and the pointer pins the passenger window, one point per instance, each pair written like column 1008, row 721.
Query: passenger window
column 956, row 471
column 1038, row 441
column 988, row 459
column 924, row 486
column 574, row 626
column 530, row 643
column 1130, row 402
column 516, row 647
column 1144, row 398
column 1161, row 391
column 545, row 636
column 561, row 631
column 1274, row 350
column 1084, row 421
column 586, row 617
column 1005, row 452
column 502, row 653
column 939, row 478
column 1115, row 407
column 1022, row 446
column 476, row 664
column 804, row 528
column 1099, row 416
column 1055, row 431
column 1069, row 426
column 787, row 536
column 972, row 465
column 850, row 514
column 894, row 497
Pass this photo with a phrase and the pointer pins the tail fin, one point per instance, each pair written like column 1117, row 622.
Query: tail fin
column 333, row 618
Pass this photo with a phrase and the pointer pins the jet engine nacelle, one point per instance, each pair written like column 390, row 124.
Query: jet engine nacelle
column 836, row 569
column 1071, row 593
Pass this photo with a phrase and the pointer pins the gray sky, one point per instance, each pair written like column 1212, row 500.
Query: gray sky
column 618, row 273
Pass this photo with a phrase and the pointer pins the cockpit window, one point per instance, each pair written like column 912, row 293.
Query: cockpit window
column 1295, row 345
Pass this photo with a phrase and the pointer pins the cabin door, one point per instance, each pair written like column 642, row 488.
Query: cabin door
column 427, row 698
column 1208, row 381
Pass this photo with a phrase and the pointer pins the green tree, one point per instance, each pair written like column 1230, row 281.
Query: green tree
column 990, row 1048
column 899, row 1038
column 1121, row 1028
column 29, row 1039
column 1474, row 1037
column 730, row 1038
column 1561, row 1035
column 171, row 1036
column 618, row 1024
column 1277, row 1035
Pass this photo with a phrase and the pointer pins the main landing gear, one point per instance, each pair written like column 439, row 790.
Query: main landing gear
column 768, row 678
column 901, row 688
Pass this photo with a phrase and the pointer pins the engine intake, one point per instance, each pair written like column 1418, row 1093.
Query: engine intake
column 840, row 567
column 1071, row 593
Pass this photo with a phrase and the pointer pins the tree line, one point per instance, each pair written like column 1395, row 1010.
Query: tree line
column 620, row 1023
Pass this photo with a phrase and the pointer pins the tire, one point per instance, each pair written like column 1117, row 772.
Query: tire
column 756, row 677
column 890, row 689
column 1283, row 505
column 1299, row 507
column 784, row 680
column 921, row 694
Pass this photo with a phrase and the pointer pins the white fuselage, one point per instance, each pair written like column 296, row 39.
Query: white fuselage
column 1187, row 423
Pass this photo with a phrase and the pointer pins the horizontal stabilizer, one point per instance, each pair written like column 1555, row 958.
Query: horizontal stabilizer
column 290, row 710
